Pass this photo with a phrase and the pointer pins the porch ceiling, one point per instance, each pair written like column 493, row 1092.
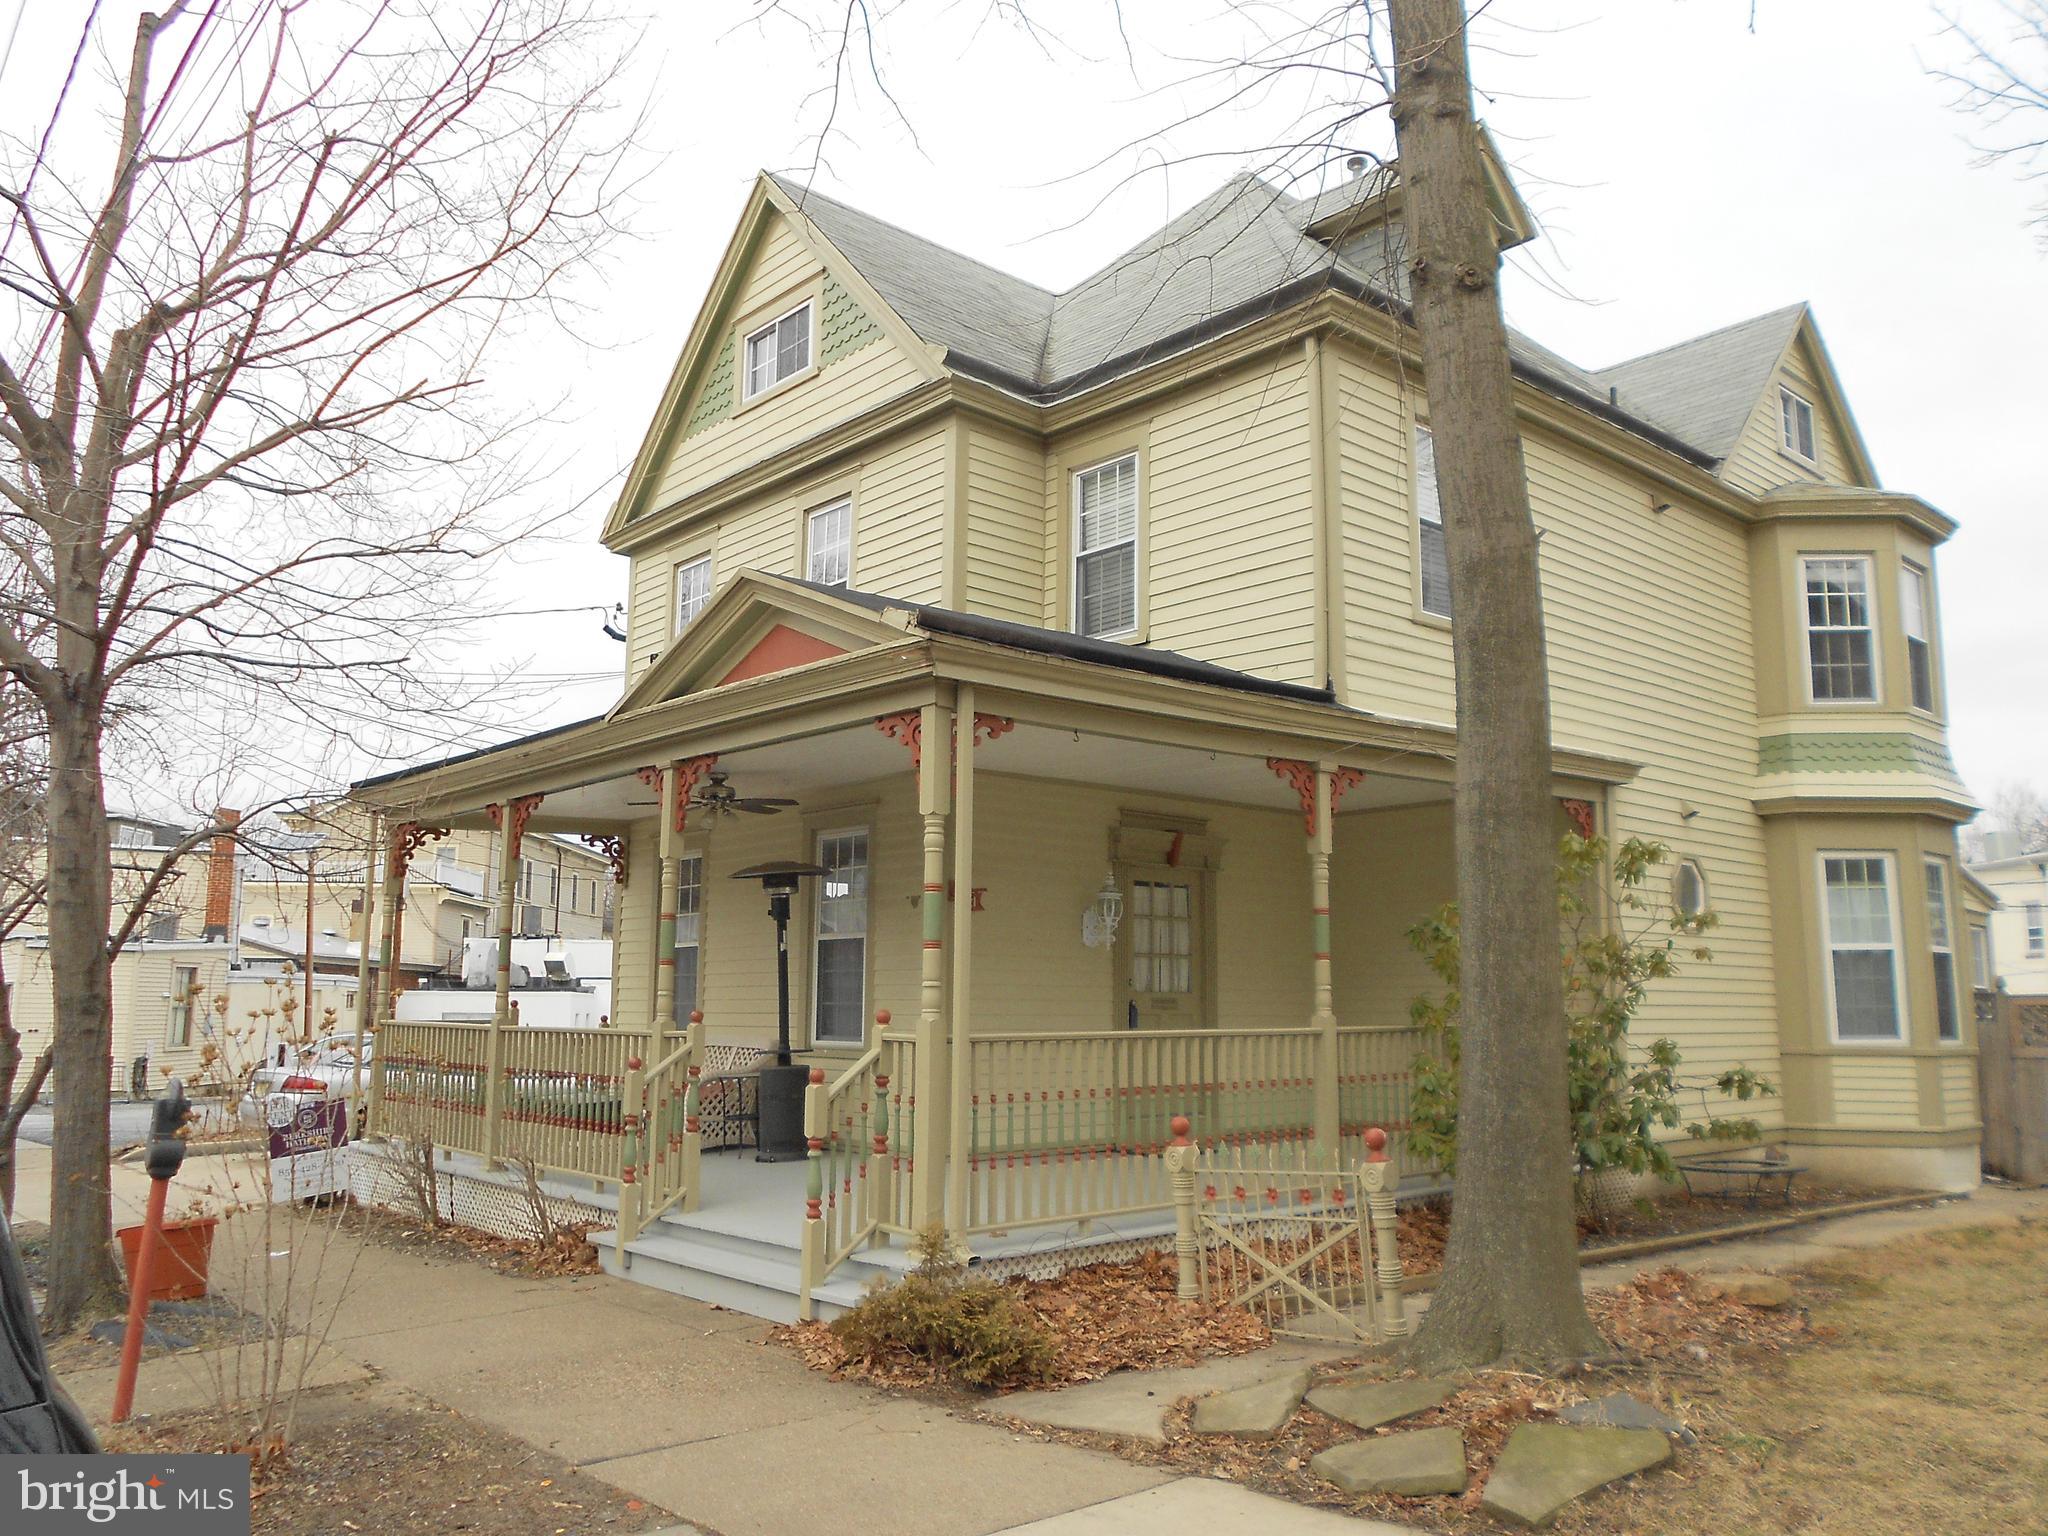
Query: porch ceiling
column 811, row 768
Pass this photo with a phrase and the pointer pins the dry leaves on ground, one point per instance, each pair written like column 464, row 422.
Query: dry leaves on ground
column 1101, row 1318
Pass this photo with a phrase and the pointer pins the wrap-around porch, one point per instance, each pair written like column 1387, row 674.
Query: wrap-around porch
column 1129, row 887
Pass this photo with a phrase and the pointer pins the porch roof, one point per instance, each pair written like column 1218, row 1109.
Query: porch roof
column 902, row 655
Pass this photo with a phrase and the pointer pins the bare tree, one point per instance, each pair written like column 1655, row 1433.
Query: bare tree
column 2018, row 807
column 1510, row 1289
column 248, row 454
column 2002, row 81
column 22, row 885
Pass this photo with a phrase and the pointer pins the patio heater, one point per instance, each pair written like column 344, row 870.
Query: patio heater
column 779, row 1136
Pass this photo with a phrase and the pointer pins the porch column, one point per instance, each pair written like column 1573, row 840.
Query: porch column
column 931, row 1079
column 962, row 1074
column 1321, row 835
column 365, row 1006
column 670, row 846
column 383, row 1000
column 510, row 835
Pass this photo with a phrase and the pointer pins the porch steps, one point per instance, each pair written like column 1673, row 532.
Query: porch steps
column 753, row 1273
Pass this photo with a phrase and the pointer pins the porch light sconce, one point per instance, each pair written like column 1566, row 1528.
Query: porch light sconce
column 1099, row 919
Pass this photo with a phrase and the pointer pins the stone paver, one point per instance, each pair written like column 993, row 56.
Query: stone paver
column 1618, row 1410
column 1545, row 1466
column 1256, row 1412
column 1411, row 1462
column 1203, row 1506
column 1369, row 1404
column 1133, row 1404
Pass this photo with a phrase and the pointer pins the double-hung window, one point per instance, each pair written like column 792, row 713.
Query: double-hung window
column 828, row 543
column 1840, row 641
column 1947, row 1014
column 1913, row 618
column 1433, row 564
column 1980, row 956
column 689, row 932
column 2037, row 930
column 693, row 591
column 780, row 350
column 1795, row 425
column 840, row 972
column 1862, row 940
column 1106, row 549
column 184, row 986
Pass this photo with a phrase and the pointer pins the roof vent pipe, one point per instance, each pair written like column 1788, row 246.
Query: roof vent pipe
column 1356, row 166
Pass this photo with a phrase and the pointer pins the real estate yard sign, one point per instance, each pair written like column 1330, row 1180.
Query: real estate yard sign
column 306, row 1142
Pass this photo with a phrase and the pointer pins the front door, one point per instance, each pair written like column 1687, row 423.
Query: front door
column 1164, row 972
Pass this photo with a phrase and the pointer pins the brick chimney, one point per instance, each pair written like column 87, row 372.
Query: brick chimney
column 220, row 875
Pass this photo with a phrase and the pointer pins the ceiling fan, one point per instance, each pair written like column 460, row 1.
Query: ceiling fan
column 717, row 795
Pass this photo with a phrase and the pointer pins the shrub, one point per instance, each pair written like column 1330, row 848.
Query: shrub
column 969, row 1329
column 1621, row 1095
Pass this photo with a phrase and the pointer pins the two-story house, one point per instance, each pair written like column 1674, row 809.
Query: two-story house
column 1102, row 641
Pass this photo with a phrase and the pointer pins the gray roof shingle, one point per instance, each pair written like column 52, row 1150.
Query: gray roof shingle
column 1705, row 388
column 1242, row 245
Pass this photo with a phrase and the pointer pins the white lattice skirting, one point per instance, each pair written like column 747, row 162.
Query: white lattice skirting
column 489, row 1200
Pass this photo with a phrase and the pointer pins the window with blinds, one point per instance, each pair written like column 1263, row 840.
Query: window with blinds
column 693, row 591
column 1913, row 618
column 1434, row 563
column 830, row 544
column 689, row 932
column 840, row 971
column 1862, row 946
column 1106, row 549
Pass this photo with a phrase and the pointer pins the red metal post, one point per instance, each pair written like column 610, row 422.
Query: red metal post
column 138, row 1300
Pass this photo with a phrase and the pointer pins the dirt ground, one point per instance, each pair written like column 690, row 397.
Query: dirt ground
column 376, row 1459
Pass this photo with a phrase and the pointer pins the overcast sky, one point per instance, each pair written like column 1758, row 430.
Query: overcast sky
column 1687, row 172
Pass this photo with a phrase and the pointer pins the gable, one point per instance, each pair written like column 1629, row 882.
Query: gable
column 1759, row 463
column 760, row 625
column 704, row 429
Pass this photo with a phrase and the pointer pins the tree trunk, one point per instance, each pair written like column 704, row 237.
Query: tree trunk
column 82, row 1278
column 1510, row 1290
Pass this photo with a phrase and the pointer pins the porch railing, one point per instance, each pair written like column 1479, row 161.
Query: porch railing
column 1375, row 1077
column 850, row 1191
column 561, row 1101
column 662, row 1154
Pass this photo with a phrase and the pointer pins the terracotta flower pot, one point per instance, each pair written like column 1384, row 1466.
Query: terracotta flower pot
column 183, row 1251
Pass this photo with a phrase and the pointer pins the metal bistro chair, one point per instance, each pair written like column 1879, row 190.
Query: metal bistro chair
column 729, row 1096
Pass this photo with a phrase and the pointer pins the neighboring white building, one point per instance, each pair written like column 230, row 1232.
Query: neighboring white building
column 556, row 984
column 2018, row 930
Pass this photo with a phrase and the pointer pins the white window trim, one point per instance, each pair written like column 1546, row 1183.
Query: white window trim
column 1791, row 449
column 1873, row 622
column 1901, row 1013
column 1933, row 868
column 749, row 394
column 811, row 514
column 1914, row 571
column 867, row 937
column 1417, row 431
column 1137, row 541
column 676, row 591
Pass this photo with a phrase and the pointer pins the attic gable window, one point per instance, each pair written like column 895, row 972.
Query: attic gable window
column 1795, row 425
column 1432, row 562
column 780, row 350
column 1106, row 549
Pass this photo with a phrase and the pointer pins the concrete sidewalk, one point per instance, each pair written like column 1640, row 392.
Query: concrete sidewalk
column 686, row 1406
column 682, row 1404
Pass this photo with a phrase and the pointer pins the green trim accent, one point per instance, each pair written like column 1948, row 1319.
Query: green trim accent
column 1322, row 932
column 715, row 403
column 844, row 327
column 934, row 916
column 1855, row 752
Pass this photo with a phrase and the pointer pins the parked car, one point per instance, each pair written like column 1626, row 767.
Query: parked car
column 297, row 1074
column 36, row 1417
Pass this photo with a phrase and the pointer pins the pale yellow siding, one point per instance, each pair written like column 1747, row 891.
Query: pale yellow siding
column 1009, row 535
column 633, row 930
column 782, row 268
column 1389, row 870
column 899, row 511
column 1758, row 462
column 1228, row 524
column 1959, row 1095
column 898, row 492
column 1647, row 616
column 1877, row 1090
